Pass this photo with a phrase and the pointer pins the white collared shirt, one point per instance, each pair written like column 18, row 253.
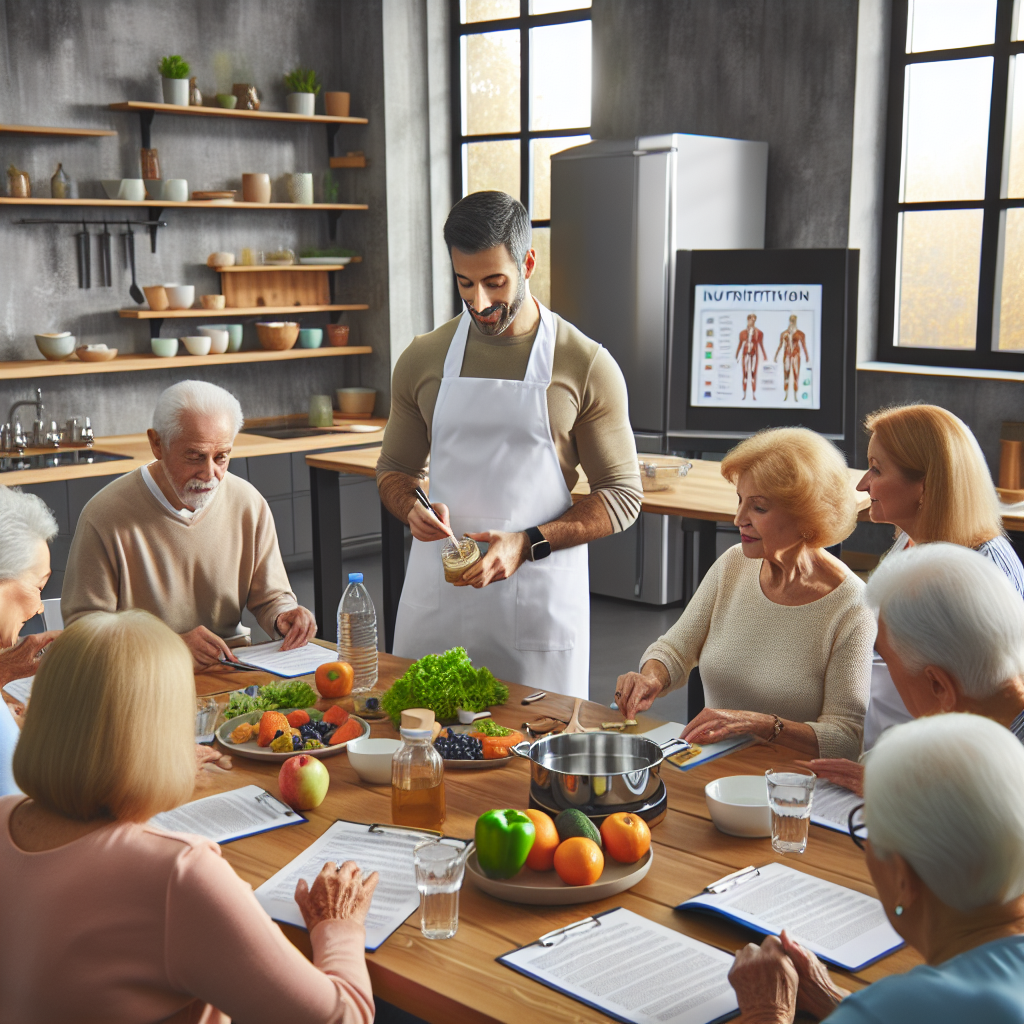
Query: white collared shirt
column 154, row 487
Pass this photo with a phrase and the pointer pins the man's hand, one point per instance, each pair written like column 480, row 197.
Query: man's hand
column 206, row 647
column 505, row 553
column 297, row 627
column 848, row 774
column 423, row 526
column 23, row 659
column 765, row 981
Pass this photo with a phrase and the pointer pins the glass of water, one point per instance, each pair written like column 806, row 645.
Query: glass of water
column 439, row 871
column 207, row 710
column 789, row 797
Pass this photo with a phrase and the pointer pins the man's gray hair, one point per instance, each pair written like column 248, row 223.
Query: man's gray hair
column 24, row 522
column 193, row 396
column 946, row 605
column 944, row 792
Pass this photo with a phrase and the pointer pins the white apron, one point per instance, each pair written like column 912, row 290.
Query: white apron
column 494, row 464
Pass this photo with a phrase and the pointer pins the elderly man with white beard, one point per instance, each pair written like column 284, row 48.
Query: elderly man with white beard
column 184, row 539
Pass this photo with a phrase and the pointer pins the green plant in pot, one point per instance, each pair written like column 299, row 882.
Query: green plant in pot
column 302, row 84
column 175, row 71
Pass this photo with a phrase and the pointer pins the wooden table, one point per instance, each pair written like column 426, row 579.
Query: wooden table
column 457, row 980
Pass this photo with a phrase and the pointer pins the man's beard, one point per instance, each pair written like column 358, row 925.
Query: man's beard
column 508, row 313
column 197, row 494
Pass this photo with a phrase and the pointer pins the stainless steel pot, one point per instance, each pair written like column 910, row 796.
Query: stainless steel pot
column 599, row 773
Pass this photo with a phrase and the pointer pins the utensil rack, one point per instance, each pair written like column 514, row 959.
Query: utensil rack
column 153, row 223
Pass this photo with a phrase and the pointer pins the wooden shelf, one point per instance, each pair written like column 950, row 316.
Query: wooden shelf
column 198, row 314
column 71, row 133
column 264, row 268
column 135, row 107
column 194, row 204
column 30, row 368
column 347, row 161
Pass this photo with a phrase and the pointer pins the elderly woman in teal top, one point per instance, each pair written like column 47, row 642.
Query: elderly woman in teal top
column 944, row 807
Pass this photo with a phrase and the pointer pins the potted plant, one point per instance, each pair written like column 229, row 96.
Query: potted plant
column 302, row 85
column 175, row 72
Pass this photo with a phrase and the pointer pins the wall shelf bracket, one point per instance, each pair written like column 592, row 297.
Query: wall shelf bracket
column 145, row 123
column 154, row 224
column 332, row 132
column 332, row 224
column 154, row 326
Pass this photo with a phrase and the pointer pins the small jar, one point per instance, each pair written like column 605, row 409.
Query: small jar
column 18, row 184
column 417, row 782
column 457, row 556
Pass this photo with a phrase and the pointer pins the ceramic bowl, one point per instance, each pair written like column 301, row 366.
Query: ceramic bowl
column 56, row 346
column 212, row 301
column 95, row 355
column 164, row 347
column 311, row 337
column 132, row 189
column 156, row 296
column 175, row 190
column 371, row 759
column 337, row 334
column 278, row 335
column 112, row 186
column 226, row 99
column 154, row 187
column 234, row 336
column 356, row 401
column 198, row 345
column 739, row 805
column 218, row 336
column 180, row 296
column 220, row 259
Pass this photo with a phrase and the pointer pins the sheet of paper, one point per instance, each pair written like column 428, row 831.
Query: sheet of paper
column 269, row 657
column 708, row 751
column 227, row 816
column 20, row 689
column 634, row 970
column 389, row 853
column 831, row 806
column 841, row 925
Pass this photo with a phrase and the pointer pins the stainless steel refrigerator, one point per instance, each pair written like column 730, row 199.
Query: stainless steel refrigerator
column 619, row 212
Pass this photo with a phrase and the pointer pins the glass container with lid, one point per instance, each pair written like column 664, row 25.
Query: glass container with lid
column 417, row 782
column 457, row 556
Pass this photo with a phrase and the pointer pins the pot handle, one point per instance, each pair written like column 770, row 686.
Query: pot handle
column 521, row 749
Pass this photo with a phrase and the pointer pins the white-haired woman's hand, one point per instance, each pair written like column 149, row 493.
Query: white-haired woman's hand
column 817, row 994
column 848, row 774
column 765, row 982
column 337, row 894
column 23, row 659
column 715, row 724
column 637, row 691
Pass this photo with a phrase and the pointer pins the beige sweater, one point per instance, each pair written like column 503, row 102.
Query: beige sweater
column 130, row 552
column 811, row 663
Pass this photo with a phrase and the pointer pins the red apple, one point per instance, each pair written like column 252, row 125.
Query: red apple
column 303, row 781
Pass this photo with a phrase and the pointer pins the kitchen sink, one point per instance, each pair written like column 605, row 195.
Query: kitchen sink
column 58, row 457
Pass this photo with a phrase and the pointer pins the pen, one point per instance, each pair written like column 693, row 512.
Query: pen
column 422, row 499
column 730, row 881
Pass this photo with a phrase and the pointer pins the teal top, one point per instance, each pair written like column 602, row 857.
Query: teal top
column 983, row 984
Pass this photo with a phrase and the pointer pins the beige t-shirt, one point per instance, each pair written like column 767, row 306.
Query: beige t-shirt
column 131, row 552
column 587, row 408
column 811, row 663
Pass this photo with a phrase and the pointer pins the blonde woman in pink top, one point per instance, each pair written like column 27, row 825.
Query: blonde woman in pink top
column 105, row 918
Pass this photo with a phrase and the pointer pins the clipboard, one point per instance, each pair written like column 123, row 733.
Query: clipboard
column 200, row 817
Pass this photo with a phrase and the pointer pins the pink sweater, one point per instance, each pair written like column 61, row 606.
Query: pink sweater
column 133, row 924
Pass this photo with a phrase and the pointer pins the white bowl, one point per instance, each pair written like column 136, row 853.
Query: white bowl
column 180, row 296
column 371, row 759
column 133, row 189
column 197, row 345
column 219, row 338
column 739, row 806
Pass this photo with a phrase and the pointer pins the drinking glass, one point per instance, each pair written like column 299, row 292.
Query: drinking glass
column 321, row 414
column 439, row 871
column 789, row 797
column 207, row 710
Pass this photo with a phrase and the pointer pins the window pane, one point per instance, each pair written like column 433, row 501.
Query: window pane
column 491, row 165
column 490, row 83
column 553, row 6
column 540, row 283
column 1009, row 332
column 945, row 116
column 948, row 24
column 488, row 10
column 1013, row 184
column 940, row 252
column 541, row 151
column 560, row 76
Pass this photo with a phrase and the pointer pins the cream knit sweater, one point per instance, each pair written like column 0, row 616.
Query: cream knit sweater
column 131, row 552
column 811, row 663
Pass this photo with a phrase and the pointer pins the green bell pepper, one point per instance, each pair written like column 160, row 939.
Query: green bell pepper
column 503, row 842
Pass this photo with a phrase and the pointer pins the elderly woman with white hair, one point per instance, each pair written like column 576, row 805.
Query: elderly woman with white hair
column 951, row 630
column 944, row 809
column 184, row 539
column 26, row 528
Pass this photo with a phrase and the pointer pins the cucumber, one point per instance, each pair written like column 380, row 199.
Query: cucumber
column 572, row 822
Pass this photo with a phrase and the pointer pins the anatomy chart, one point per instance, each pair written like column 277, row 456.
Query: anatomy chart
column 756, row 345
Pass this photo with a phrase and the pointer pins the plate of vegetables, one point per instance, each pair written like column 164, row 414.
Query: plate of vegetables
column 482, row 745
column 276, row 735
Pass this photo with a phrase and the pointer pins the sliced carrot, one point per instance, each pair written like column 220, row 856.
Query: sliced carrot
column 497, row 746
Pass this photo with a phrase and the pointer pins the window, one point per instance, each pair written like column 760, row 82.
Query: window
column 953, row 226
column 523, row 94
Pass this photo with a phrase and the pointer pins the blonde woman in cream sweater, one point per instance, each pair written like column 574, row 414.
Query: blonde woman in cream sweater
column 778, row 627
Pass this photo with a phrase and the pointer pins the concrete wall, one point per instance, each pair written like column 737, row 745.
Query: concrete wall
column 63, row 62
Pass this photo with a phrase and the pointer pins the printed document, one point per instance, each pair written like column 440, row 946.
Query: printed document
column 20, row 689
column 269, row 657
column 831, row 806
column 232, row 815
column 841, row 925
column 633, row 970
column 708, row 751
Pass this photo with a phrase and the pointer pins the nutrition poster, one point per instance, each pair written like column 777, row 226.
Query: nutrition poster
column 756, row 345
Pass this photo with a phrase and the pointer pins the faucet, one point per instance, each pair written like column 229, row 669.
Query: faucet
column 38, row 425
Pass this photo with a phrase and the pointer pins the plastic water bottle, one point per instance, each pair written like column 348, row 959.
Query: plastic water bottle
column 357, row 633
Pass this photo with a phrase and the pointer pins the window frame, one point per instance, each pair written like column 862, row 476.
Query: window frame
column 983, row 356
column 524, row 22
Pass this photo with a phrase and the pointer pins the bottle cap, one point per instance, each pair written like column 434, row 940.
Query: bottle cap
column 355, row 577
column 416, row 734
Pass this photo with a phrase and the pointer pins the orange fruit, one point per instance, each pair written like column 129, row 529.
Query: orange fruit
column 542, row 853
column 335, row 679
column 271, row 722
column 579, row 861
column 626, row 837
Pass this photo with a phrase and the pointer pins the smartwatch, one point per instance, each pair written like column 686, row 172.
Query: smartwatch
column 539, row 548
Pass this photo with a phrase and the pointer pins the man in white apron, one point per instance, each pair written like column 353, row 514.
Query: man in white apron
column 507, row 400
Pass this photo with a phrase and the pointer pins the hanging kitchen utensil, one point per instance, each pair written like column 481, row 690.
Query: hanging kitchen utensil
column 82, row 242
column 106, row 272
column 135, row 291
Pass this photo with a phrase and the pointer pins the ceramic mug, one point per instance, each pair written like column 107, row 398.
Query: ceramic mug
column 300, row 188
column 337, row 334
column 132, row 189
column 336, row 104
column 219, row 338
column 164, row 347
column 156, row 296
column 311, row 337
column 256, row 188
column 234, row 336
column 175, row 190
column 180, row 296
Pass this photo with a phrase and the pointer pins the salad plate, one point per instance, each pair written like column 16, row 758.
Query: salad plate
column 253, row 750
column 461, row 765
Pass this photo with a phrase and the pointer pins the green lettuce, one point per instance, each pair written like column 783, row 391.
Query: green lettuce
column 289, row 693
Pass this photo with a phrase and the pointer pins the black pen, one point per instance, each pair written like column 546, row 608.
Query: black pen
column 422, row 499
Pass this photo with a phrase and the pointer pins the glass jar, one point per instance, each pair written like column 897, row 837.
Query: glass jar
column 457, row 556
column 417, row 782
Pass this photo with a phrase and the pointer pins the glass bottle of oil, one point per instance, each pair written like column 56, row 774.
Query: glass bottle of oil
column 417, row 782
